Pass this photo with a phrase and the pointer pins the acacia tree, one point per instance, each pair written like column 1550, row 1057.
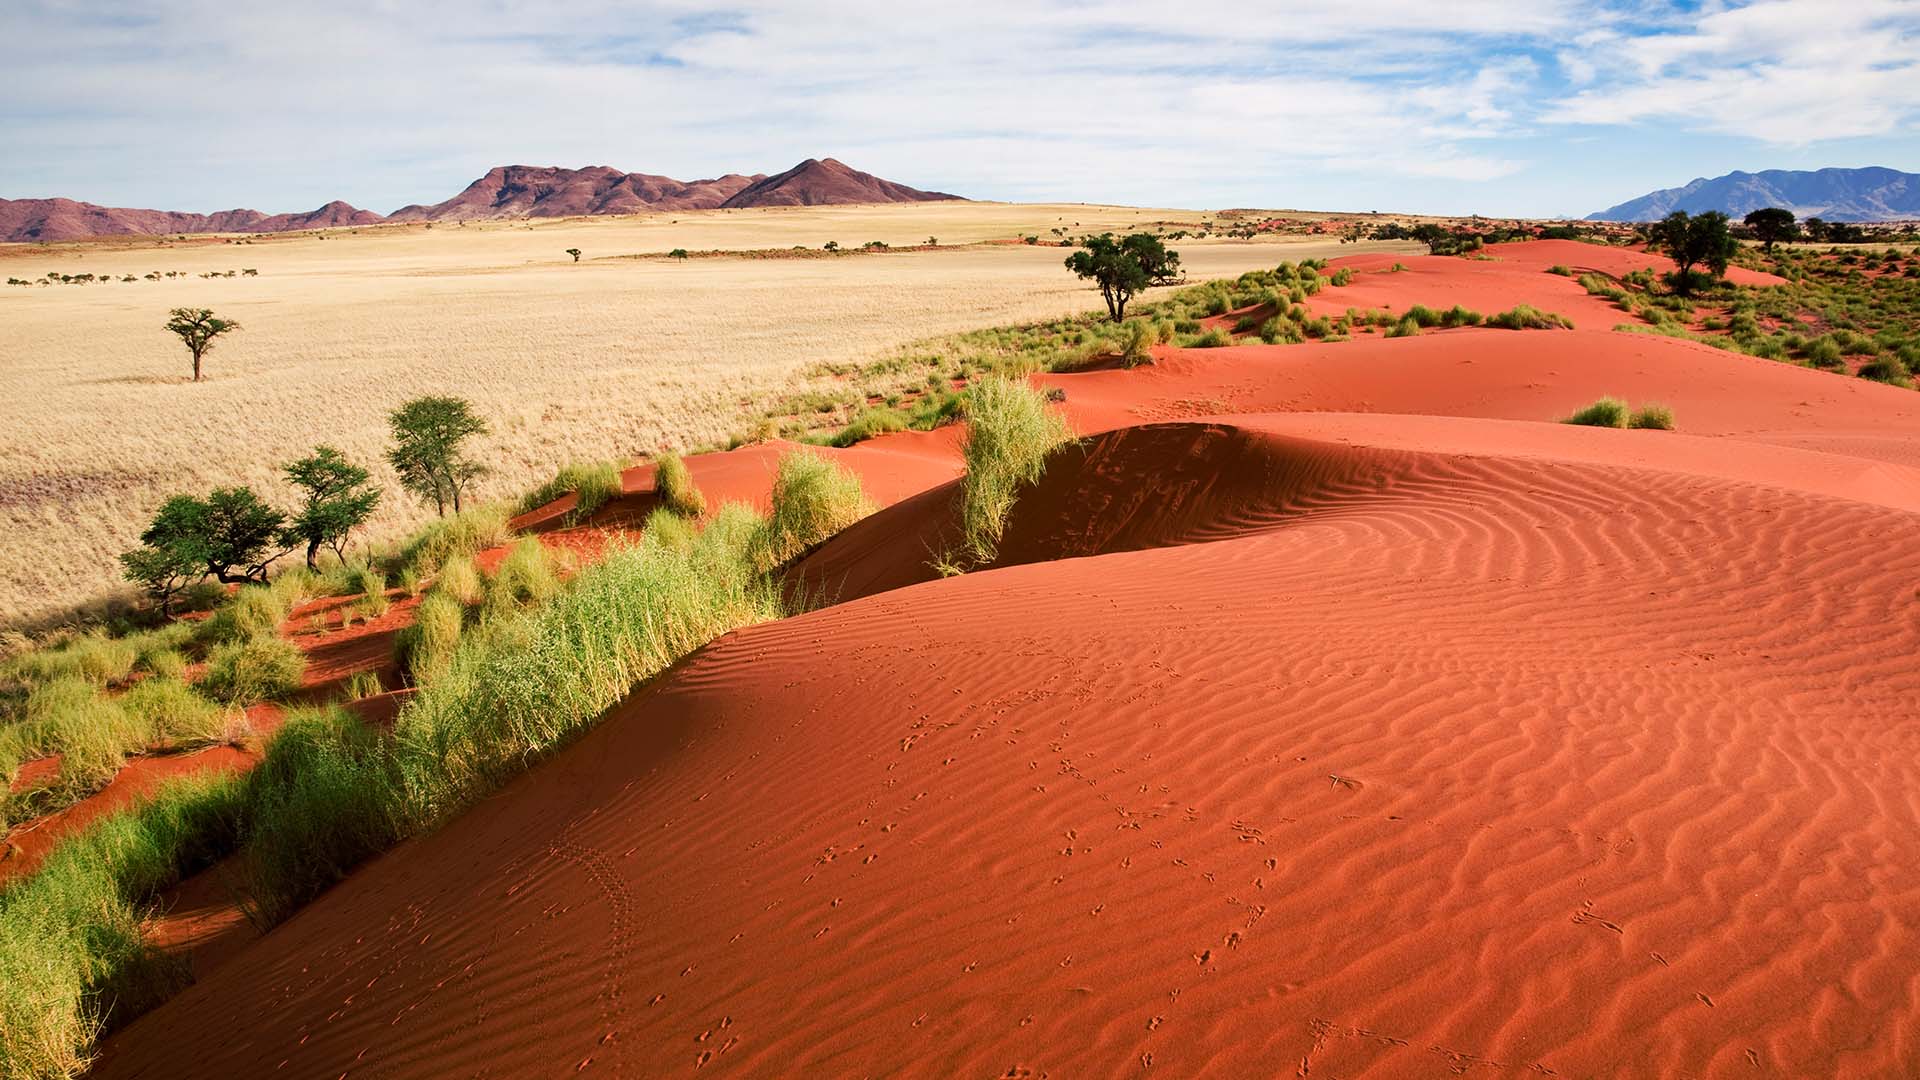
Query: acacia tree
column 197, row 328
column 1773, row 223
column 339, row 499
column 428, row 452
column 229, row 535
column 1121, row 268
column 1696, row 240
column 575, row 252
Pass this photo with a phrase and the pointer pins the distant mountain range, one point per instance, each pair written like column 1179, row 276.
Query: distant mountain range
column 1872, row 194
column 505, row 192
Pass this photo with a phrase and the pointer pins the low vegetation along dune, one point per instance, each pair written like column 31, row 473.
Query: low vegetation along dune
column 1328, row 710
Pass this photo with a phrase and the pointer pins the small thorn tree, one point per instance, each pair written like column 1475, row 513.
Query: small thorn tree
column 1121, row 268
column 428, row 452
column 197, row 328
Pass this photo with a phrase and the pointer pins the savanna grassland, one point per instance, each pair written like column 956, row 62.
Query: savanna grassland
column 623, row 353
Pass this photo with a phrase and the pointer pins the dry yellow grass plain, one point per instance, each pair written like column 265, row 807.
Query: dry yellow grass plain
column 612, row 357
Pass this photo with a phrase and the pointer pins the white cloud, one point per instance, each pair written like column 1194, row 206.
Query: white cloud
column 205, row 104
column 1785, row 72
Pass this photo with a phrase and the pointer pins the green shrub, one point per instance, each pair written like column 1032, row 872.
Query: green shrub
column 73, row 959
column 674, row 483
column 1459, row 316
column 1212, row 339
column 1653, row 417
column 174, row 714
column 1823, row 352
column 1525, row 317
column 1010, row 432
column 1423, row 316
column 1560, row 269
column 1607, row 412
column 1342, row 276
column 1407, row 327
column 813, row 498
column 246, row 672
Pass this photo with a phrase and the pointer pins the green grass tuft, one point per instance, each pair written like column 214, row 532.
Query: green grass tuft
column 813, row 498
column 246, row 672
column 674, row 484
column 1607, row 412
column 1525, row 317
column 1652, row 417
column 1010, row 432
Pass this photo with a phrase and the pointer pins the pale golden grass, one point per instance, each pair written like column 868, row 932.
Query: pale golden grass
column 612, row 357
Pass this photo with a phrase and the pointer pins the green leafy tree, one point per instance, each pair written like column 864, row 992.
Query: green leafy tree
column 230, row 535
column 575, row 252
column 1773, row 224
column 429, row 437
column 1696, row 240
column 678, row 253
column 339, row 499
column 197, row 328
column 1121, row 268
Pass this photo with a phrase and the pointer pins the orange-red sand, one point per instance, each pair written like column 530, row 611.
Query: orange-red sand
column 1331, row 713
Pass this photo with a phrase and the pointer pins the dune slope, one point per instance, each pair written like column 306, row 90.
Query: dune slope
column 1435, row 760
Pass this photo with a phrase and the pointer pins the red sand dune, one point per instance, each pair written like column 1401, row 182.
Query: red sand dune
column 1329, row 714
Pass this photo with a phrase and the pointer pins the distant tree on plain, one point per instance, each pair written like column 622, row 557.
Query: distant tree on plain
column 1771, row 224
column 575, row 252
column 1694, row 240
column 429, row 436
column 197, row 328
column 339, row 499
column 1121, row 268
column 678, row 253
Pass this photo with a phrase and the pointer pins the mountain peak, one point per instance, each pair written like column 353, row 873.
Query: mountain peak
column 1875, row 193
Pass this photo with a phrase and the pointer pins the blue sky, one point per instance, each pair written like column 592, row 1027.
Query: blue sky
column 1538, row 108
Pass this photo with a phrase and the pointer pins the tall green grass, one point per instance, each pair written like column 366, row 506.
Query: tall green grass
column 1010, row 432
column 528, row 575
column 813, row 498
column 1606, row 412
column 540, row 676
column 72, row 958
column 466, row 533
column 244, row 673
column 674, row 484
column 594, row 483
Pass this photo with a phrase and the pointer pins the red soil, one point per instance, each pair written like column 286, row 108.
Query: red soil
column 1347, row 719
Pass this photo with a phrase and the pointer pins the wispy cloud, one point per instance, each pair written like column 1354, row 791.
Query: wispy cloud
column 198, row 104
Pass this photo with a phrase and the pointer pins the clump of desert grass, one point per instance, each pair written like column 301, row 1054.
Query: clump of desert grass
column 528, row 575
column 247, row 672
column 813, row 498
column 322, row 800
column 174, row 715
column 460, row 579
column 1606, row 412
column 541, row 675
column 593, row 484
column 425, row 646
column 1612, row 412
column 1652, row 417
column 254, row 611
column 674, row 484
column 1010, row 432
column 73, row 959
column 466, row 533
column 1526, row 317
